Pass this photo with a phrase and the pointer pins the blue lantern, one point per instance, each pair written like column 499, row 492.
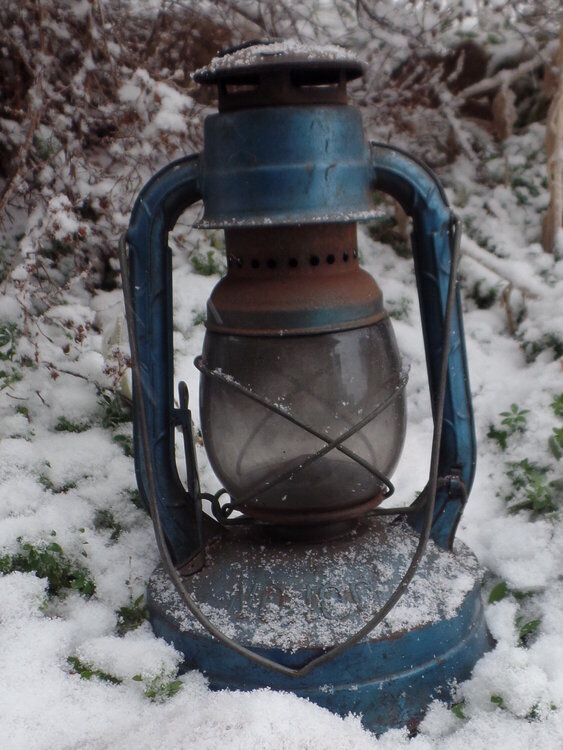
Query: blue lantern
column 300, row 580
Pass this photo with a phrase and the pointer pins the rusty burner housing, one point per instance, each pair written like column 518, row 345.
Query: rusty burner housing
column 302, row 406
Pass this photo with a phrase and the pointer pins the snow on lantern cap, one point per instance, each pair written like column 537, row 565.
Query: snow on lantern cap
column 284, row 147
column 271, row 56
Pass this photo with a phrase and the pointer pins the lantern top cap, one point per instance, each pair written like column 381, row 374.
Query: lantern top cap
column 276, row 55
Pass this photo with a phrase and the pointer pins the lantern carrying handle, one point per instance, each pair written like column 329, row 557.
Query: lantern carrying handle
column 147, row 283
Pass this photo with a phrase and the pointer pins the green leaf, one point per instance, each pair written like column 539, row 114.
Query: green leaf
column 457, row 710
column 527, row 630
column 521, row 595
column 173, row 687
column 498, row 700
column 126, row 444
column 498, row 592
column 130, row 617
column 555, row 442
column 87, row 671
column 65, row 425
column 501, row 436
column 557, row 405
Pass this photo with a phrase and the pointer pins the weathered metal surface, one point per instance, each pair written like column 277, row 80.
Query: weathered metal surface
column 293, row 280
column 156, row 209
column 291, row 601
column 274, row 73
column 422, row 196
column 325, row 519
column 272, row 166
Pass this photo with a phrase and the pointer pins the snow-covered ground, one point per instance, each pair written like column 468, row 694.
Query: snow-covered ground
column 79, row 665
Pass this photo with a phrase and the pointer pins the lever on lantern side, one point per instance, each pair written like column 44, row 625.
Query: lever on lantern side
column 421, row 195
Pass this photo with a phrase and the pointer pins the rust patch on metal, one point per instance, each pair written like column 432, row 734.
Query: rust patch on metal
column 313, row 517
column 258, row 74
column 292, row 281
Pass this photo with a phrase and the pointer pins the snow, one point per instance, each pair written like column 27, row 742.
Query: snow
column 265, row 53
column 272, row 599
column 55, row 485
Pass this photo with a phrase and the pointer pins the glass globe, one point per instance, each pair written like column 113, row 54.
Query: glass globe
column 328, row 382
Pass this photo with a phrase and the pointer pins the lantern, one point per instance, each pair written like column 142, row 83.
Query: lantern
column 299, row 580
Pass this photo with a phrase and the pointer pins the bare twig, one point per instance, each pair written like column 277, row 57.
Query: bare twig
column 500, row 267
column 19, row 50
column 506, row 77
column 505, row 302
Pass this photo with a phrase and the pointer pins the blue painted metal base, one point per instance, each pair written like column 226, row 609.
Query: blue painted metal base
column 291, row 601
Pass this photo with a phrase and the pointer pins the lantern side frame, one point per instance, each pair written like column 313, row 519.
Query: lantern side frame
column 421, row 195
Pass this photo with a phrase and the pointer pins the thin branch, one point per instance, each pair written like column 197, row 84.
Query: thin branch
column 506, row 77
column 19, row 50
column 501, row 268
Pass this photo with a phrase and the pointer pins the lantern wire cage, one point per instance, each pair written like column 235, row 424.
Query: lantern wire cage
column 222, row 512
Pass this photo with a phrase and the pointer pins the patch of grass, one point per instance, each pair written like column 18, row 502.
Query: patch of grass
column 557, row 405
column 531, row 489
column 160, row 688
column 515, row 419
column 207, row 264
column 555, row 442
column 199, row 319
column 87, row 671
column 104, row 520
column 472, row 227
column 512, row 422
column 126, row 444
column 532, row 349
column 9, row 377
column 117, row 409
column 24, row 411
column 400, row 310
column 135, row 497
column 48, row 560
column 58, row 489
column 484, row 296
column 9, row 335
column 520, row 182
column 66, row 425
column 384, row 230
column 132, row 615
column 526, row 630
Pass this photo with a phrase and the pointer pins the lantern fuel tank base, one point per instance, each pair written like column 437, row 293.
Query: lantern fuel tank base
column 291, row 601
